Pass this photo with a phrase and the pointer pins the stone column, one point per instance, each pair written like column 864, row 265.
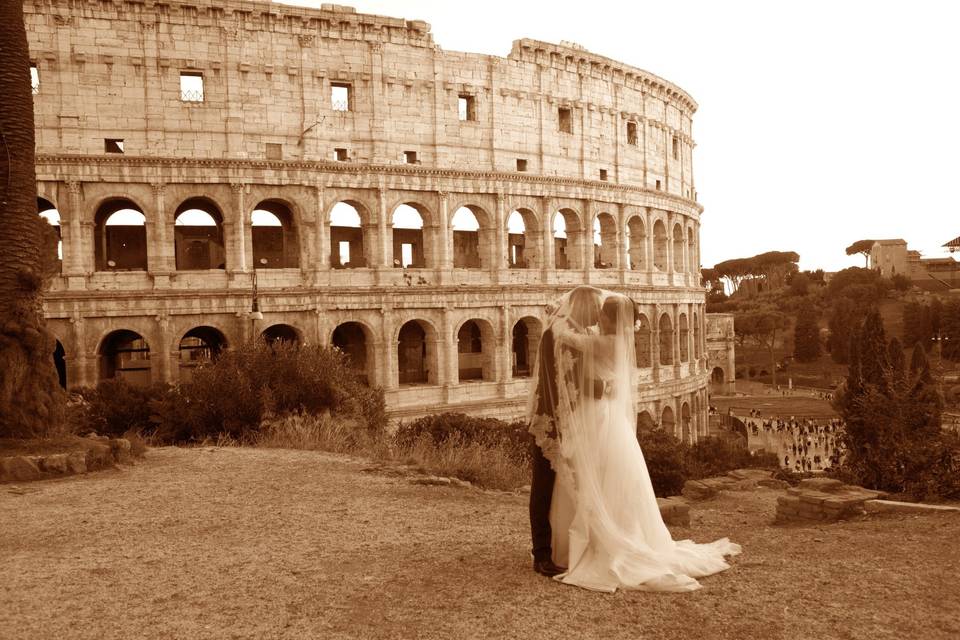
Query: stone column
column 233, row 231
column 161, row 259
column 384, row 259
column 78, row 254
column 649, row 242
column 655, row 346
column 447, row 354
column 549, row 255
column 504, row 351
column 586, row 239
column 676, row 340
column 323, row 232
column 443, row 240
column 501, row 249
column 162, row 372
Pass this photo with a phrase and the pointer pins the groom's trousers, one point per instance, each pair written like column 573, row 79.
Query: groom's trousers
column 541, row 494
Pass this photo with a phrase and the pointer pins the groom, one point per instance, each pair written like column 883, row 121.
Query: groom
column 585, row 304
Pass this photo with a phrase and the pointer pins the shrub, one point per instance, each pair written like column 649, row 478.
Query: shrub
column 321, row 432
column 664, row 455
column 484, row 463
column 115, row 406
column 714, row 456
column 464, row 430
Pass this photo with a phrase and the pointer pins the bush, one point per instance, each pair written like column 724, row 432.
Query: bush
column 494, row 466
column 664, row 455
column 320, row 432
column 463, row 430
column 115, row 407
column 714, row 456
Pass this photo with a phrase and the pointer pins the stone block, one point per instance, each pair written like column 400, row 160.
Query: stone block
column 77, row 462
column 821, row 484
column 793, row 491
column 773, row 483
column 749, row 474
column 894, row 506
column 674, row 512
column 54, row 463
column 99, row 456
column 698, row 490
column 813, row 497
column 18, row 468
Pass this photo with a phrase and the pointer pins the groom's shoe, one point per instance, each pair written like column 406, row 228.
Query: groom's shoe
column 546, row 567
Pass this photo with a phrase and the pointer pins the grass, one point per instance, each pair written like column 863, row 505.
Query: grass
column 249, row 542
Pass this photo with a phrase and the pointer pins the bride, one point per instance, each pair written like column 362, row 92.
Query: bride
column 606, row 525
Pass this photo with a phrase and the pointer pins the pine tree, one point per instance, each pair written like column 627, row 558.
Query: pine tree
column 842, row 323
column 806, row 334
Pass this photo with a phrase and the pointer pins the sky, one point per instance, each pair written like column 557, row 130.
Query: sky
column 820, row 123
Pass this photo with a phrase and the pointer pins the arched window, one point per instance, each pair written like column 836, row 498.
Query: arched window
column 60, row 363
column 466, row 239
column 125, row 354
column 604, row 241
column 274, row 236
column 642, row 342
column 408, row 240
column 526, row 341
column 684, row 338
column 121, row 237
column 199, row 346
column 686, row 433
column 198, row 236
column 659, row 246
column 667, row 421
column 677, row 248
column 414, row 354
column 470, row 351
column 347, row 250
column 666, row 340
column 281, row 333
column 637, row 243
column 696, row 337
column 49, row 213
column 351, row 339
column 566, row 244
column 645, row 422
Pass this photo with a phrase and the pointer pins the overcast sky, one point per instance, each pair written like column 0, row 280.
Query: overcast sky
column 820, row 123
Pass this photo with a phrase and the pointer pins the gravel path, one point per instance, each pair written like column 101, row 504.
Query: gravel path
column 262, row 543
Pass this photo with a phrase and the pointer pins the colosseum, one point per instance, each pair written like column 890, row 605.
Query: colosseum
column 221, row 170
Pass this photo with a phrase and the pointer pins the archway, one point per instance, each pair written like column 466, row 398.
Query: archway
column 476, row 349
column 659, row 246
column 667, row 421
column 717, row 376
column 684, row 338
column 274, row 236
column 604, row 242
column 351, row 339
column 199, row 346
column 677, row 248
column 685, row 432
column 666, row 340
column 636, row 243
column 566, row 244
column 60, row 363
column 466, row 239
column 347, row 248
column 645, row 422
column 125, row 354
column 49, row 213
column 526, row 341
column 642, row 345
column 522, row 234
column 281, row 333
column 198, row 236
column 416, row 354
column 120, row 233
column 408, row 240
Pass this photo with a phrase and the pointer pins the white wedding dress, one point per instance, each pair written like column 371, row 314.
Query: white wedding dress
column 607, row 528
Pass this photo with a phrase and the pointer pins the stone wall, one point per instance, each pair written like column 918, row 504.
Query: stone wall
column 264, row 135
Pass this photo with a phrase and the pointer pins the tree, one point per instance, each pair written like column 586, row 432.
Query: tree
column 806, row 334
column 30, row 397
column 763, row 326
column 862, row 247
column 842, row 323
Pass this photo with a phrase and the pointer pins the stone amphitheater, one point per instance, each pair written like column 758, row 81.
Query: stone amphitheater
column 220, row 170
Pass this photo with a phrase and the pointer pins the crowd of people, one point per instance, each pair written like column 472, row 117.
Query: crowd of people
column 803, row 444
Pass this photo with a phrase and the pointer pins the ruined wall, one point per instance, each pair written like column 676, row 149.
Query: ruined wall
column 110, row 69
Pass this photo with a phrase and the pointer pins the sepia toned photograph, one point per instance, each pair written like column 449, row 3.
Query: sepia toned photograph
column 418, row 319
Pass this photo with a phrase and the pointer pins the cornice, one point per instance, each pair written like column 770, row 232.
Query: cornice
column 358, row 169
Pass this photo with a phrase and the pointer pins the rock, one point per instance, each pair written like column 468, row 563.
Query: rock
column 674, row 511
column 773, row 483
column 18, row 468
column 120, row 448
column 77, row 462
column 99, row 456
column 431, row 480
column 749, row 474
column 698, row 490
column 829, row 485
column 55, row 463
column 893, row 506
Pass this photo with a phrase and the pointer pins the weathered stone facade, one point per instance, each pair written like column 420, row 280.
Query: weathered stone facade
column 550, row 131
column 721, row 353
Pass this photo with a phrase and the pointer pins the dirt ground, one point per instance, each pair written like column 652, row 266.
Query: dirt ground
column 265, row 543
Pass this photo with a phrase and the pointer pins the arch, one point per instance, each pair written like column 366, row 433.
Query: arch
column 274, row 236
column 567, row 230
column 645, row 422
column 49, row 212
column 678, row 241
column 281, row 333
column 642, row 342
column 416, row 353
column 348, row 244
column 124, row 354
column 604, row 241
column 692, row 252
column 469, row 236
column 60, row 363
column 353, row 339
column 636, row 243
column 523, row 239
column 526, row 340
column 666, row 340
column 120, row 236
column 198, row 235
column 659, row 246
column 685, row 432
column 684, row 338
column 475, row 350
column 667, row 421
column 409, row 247
column 717, row 376
column 199, row 346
